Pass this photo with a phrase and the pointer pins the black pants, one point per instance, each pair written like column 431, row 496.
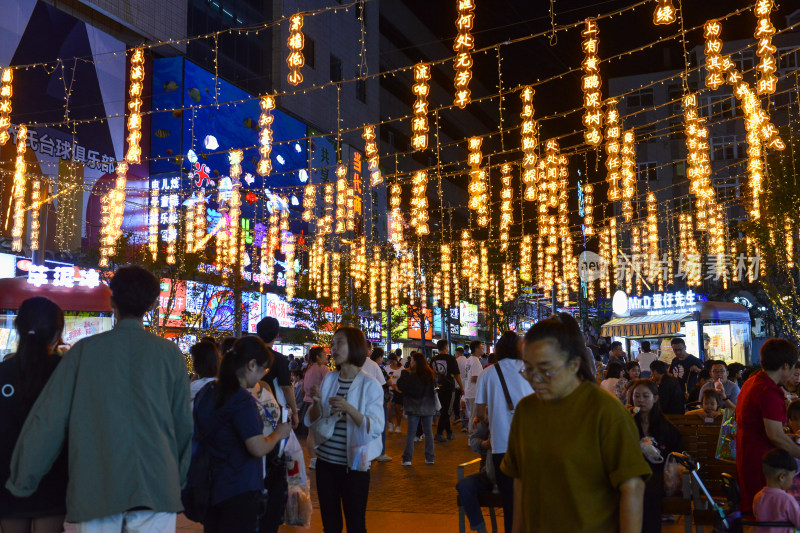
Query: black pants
column 506, row 486
column 446, row 399
column 239, row 513
column 277, row 495
column 457, row 404
column 341, row 489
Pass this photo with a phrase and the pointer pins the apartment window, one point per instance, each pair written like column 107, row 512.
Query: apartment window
column 361, row 90
column 642, row 98
column 648, row 171
column 717, row 106
column 744, row 60
column 309, row 52
column 727, row 147
column 336, row 68
column 788, row 59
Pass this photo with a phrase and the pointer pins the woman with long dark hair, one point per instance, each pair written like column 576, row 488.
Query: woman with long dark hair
column 656, row 431
column 23, row 375
column 227, row 420
column 350, row 404
column 417, row 385
column 205, row 361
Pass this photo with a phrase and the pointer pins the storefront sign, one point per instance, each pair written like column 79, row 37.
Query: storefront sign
column 656, row 304
column 469, row 319
column 63, row 277
column 371, row 327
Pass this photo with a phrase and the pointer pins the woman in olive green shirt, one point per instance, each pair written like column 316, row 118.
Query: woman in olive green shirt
column 573, row 450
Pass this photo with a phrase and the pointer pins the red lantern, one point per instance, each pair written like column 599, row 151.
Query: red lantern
column 251, row 197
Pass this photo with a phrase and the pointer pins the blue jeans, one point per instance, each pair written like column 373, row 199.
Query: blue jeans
column 427, row 428
column 469, row 489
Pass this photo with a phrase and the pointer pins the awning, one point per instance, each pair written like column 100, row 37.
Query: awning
column 645, row 326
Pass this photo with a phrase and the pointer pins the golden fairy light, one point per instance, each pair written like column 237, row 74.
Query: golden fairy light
column 358, row 264
column 788, row 227
column 462, row 46
column 446, row 274
column 419, row 122
column 188, row 225
column 296, row 41
column 588, row 209
column 525, row 255
column 713, row 49
column 613, row 161
column 506, row 211
column 633, row 273
column 698, row 160
column 136, row 88
column 336, row 260
column 350, row 201
column 341, row 198
column 591, row 84
column 396, row 216
column 373, row 160
column 767, row 80
column 467, row 252
column 235, row 158
column 153, row 220
column 374, row 279
column 690, row 257
column 113, row 210
column 652, row 240
column 478, row 187
column 628, row 171
column 264, row 166
column 394, row 283
column 326, row 224
column 272, row 243
column 234, row 213
column 326, row 275
column 6, row 91
column 614, row 249
column 484, row 273
column 419, row 202
column 309, row 202
column 384, row 285
column 199, row 218
column 284, row 217
column 528, row 132
column 290, row 249
column 605, row 253
column 35, row 203
column 20, row 186
column 540, row 253
column 665, row 13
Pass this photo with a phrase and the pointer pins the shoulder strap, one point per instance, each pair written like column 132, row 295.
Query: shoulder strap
column 505, row 387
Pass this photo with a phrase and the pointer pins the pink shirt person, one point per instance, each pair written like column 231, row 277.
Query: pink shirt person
column 314, row 376
column 776, row 505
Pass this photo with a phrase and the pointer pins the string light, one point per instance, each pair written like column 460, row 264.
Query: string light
column 588, row 208
column 446, row 259
column 153, row 220
column 484, row 280
column 713, row 49
column 341, row 198
column 135, row 90
column 419, row 202
column 296, row 41
column 188, row 224
column 326, row 275
column 6, row 91
column 265, row 120
column 374, row 278
column 698, row 160
column 665, row 13
column 384, row 285
column 652, row 238
column 234, row 213
column 336, row 260
column 462, row 46
column 605, row 253
column 112, row 213
column 351, row 208
column 309, row 202
column 540, row 257
column 35, row 203
column 690, row 257
column 525, row 255
column 506, row 212
column 419, row 123
column 478, row 187
column 373, row 160
column 528, row 131
column 396, row 225
column 199, row 219
column 395, row 283
column 235, row 158
column 613, row 161
column 591, row 83
column 628, row 171
column 767, row 81
column 632, row 272
column 614, row 249
column 20, row 185
column 788, row 227
column 326, row 225
column 358, row 268
column 290, row 281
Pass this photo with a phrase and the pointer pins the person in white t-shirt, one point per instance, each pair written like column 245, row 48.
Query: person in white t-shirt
column 473, row 370
column 372, row 368
column 646, row 357
column 461, row 361
column 492, row 407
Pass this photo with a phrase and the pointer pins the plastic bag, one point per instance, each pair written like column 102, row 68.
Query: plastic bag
column 673, row 477
column 295, row 461
column 298, row 506
column 726, row 445
column 359, row 445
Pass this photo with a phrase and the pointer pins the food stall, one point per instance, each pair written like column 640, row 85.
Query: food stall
column 712, row 330
column 80, row 294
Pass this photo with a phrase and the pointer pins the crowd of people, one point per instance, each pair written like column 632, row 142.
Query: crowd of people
column 571, row 438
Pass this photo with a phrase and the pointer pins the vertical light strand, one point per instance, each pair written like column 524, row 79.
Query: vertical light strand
column 605, row 253
column 528, row 132
column 35, row 203
column 713, row 49
column 419, row 202
column 6, row 91
column 462, row 46
column 591, row 84
column 20, row 186
column 290, row 280
column 326, row 275
column 613, row 161
column 628, row 171
column 396, row 224
column 395, row 285
column 188, row 225
column 656, row 273
column 632, row 271
column 295, row 43
column 309, row 202
column 234, row 213
column 336, row 265
column 112, row 213
column 446, row 267
column 235, row 158
column 506, row 211
column 341, row 198
column 614, row 249
column 135, row 90
column 374, row 279
column 265, row 120
column 767, row 81
column 350, row 202
column 665, row 13
column 200, row 218
column 153, row 220
column 384, row 285
column 484, row 275
column 326, row 227
column 419, row 122
column 525, row 257
column 373, row 159
column 788, row 228
column 478, row 187
column 588, row 208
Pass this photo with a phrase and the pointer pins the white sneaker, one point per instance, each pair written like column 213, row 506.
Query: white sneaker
column 406, row 463
column 384, row 458
column 390, row 428
column 397, row 429
column 312, row 464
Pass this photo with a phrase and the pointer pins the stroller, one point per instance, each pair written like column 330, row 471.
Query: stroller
column 729, row 518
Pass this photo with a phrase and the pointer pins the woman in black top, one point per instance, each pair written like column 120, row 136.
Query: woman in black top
column 419, row 403
column 665, row 437
column 23, row 375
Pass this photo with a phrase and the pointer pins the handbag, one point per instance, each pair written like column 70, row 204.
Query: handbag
column 437, row 404
column 323, row 427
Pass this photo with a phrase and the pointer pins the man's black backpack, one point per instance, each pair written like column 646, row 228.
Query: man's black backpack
column 196, row 495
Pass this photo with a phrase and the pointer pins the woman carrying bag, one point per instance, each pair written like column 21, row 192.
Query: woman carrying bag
column 347, row 420
column 419, row 393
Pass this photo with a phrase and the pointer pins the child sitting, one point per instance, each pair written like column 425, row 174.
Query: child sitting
column 773, row 503
column 709, row 411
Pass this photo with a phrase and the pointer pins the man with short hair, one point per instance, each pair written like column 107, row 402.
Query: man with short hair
column 728, row 390
column 670, row 393
column 617, row 353
column 120, row 401
column 474, row 368
column 447, row 374
column 461, row 414
column 645, row 357
column 685, row 366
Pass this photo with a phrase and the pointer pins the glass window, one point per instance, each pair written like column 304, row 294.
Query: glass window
column 309, row 52
column 745, row 60
column 648, row 171
column 641, row 98
column 361, row 90
column 336, row 68
column 727, row 147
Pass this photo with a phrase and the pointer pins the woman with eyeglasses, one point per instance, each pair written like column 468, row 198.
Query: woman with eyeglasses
column 500, row 389
column 573, row 447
